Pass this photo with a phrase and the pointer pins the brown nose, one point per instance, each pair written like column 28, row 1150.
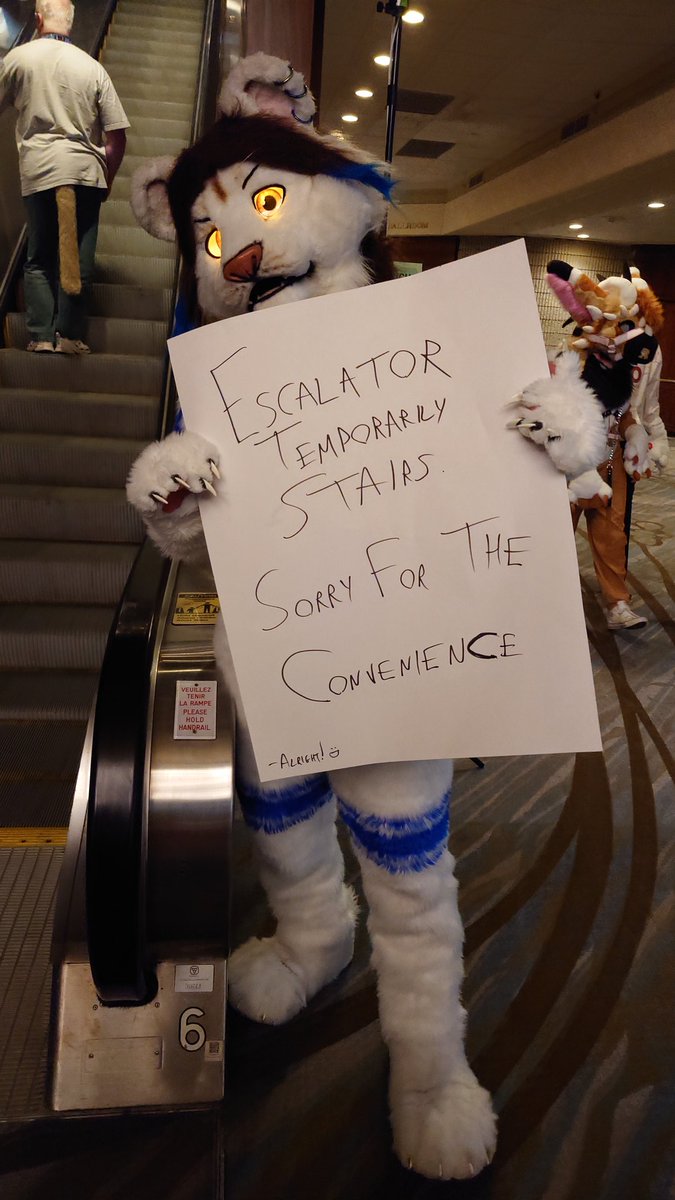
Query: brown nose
column 245, row 265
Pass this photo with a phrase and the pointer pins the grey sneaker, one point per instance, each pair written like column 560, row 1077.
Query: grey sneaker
column 66, row 345
column 621, row 616
column 40, row 347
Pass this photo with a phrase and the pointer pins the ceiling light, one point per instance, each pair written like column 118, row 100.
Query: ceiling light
column 583, row 235
column 576, row 225
column 363, row 93
column 382, row 60
column 656, row 204
column 413, row 16
column 349, row 117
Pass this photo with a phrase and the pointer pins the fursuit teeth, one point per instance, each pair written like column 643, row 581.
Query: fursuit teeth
column 273, row 810
column 400, row 845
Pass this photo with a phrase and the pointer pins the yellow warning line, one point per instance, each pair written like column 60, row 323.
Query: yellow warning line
column 35, row 836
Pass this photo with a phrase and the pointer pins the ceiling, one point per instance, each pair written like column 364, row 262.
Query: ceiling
column 515, row 73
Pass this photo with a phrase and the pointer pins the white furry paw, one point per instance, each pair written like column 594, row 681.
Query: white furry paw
column 636, row 452
column 168, row 472
column 266, row 983
column 563, row 415
column 447, row 1132
column 587, row 486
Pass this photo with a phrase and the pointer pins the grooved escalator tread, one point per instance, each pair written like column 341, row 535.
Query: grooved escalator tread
column 141, row 374
column 83, row 414
column 68, row 514
column 47, row 695
column 105, row 335
column 32, row 572
column 132, row 301
column 53, row 637
column 53, row 459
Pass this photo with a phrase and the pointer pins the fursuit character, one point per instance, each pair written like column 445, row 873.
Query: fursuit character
column 266, row 212
column 620, row 362
column 584, row 411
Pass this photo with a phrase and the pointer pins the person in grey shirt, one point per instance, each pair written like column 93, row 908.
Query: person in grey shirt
column 70, row 134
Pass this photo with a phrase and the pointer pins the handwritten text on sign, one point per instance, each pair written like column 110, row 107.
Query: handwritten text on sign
column 397, row 571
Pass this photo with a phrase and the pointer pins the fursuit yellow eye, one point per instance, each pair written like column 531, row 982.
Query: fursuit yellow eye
column 214, row 243
column 269, row 200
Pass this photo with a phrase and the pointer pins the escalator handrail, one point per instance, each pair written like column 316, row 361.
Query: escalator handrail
column 116, row 819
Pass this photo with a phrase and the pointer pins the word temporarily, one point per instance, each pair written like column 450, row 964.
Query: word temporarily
column 337, row 442
column 305, row 675
column 249, row 416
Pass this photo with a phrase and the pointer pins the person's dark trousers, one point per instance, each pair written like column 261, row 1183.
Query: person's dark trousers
column 48, row 308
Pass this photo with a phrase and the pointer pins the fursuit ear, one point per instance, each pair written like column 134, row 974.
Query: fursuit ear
column 150, row 198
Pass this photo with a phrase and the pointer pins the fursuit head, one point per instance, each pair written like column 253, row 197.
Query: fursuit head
column 265, row 212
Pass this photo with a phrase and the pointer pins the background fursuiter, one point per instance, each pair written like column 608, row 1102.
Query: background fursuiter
column 617, row 319
column 267, row 212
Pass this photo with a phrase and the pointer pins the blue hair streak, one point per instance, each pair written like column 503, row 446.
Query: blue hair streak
column 366, row 173
column 277, row 809
column 400, row 845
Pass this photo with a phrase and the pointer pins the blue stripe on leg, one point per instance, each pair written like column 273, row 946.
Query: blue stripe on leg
column 276, row 809
column 400, row 845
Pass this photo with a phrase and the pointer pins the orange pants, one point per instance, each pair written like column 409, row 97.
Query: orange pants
column 607, row 535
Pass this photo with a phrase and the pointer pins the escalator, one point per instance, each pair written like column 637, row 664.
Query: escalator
column 68, row 541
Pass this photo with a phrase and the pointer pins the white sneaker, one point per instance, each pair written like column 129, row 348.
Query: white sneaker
column 40, row 347
column 621, row 616
column 66, row 345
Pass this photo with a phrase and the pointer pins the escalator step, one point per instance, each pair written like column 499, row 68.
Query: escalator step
column 171, row 110
column 63, row 572
column 54, row 458
column 160, row 55
column 132, row 240
column 120, row 268
column 130, row 300
column 68, row 514
column 47, row 695
column 150, row 145
column 105, row 335
column 150, row 91
column 53, row 637
column 123, row 374
column 83, row 414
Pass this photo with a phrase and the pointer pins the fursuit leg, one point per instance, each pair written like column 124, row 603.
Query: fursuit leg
column 302, row 871
column 397, row 814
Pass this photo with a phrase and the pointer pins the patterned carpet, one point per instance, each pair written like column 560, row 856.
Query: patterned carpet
column 567, row 874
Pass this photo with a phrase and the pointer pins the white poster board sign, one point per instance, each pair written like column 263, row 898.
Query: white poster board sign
column 396, row 569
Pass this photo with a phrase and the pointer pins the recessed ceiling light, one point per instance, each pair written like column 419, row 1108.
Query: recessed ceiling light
column 413, row 16
column 576, row 225
column 363, row 93
column 583, row 235
column 656, row 204
column 349, row 117
column 382, row 60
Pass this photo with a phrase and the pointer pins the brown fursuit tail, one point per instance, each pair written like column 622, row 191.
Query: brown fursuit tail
column 69, row 255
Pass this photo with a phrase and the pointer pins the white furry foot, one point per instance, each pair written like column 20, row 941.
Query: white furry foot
column 447, row 1132
column 267, row 983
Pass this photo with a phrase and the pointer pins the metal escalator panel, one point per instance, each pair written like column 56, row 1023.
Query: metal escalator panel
column 168, row 1051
